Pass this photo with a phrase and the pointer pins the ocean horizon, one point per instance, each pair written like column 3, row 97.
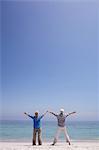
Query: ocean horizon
column 22, row 130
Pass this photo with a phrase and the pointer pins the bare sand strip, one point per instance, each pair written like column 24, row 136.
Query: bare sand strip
column 75, row 145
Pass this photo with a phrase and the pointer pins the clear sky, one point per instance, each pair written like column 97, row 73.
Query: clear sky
column 49, row 58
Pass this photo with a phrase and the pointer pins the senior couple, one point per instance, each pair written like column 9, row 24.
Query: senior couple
column 61, row 126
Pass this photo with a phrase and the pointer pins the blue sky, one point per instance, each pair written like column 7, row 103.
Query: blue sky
column 49, row 58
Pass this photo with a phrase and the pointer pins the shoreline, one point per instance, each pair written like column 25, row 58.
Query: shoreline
column 47, row 141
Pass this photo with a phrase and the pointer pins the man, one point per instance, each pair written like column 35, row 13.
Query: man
column 36, row 127
column 61, row 125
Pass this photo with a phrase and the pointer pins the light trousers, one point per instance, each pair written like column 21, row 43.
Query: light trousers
column 60, row 130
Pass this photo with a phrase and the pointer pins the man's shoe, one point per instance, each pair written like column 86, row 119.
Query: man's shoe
column 33, row 144
column 68, row 142
column 53, row 144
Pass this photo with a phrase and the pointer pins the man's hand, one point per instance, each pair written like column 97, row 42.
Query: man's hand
column 46, row 112
column 25, row 113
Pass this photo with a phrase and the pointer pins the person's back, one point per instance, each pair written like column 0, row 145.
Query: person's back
column 61, row 120
column 37, row 122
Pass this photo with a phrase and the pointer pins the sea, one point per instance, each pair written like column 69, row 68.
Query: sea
column 22, row 131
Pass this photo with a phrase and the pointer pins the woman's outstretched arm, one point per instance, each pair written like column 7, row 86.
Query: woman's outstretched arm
column 53, row 113
column 70, row 113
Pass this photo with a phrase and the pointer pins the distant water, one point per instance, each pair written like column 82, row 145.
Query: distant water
column 22, row 130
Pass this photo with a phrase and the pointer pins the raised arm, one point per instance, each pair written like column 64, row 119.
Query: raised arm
column 53, row 113
column 70, row 113
column 43, row 114
column 28, row 115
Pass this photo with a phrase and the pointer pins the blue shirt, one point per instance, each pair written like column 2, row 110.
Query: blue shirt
column 36, row 121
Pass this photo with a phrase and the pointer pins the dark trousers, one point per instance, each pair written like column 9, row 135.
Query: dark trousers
column 37, row 132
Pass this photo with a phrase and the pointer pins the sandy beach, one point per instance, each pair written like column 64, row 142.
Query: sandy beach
column 75, row 145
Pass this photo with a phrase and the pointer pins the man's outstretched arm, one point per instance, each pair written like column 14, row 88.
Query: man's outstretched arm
column 28, row 115
column 43, row 114
column 70, row 113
